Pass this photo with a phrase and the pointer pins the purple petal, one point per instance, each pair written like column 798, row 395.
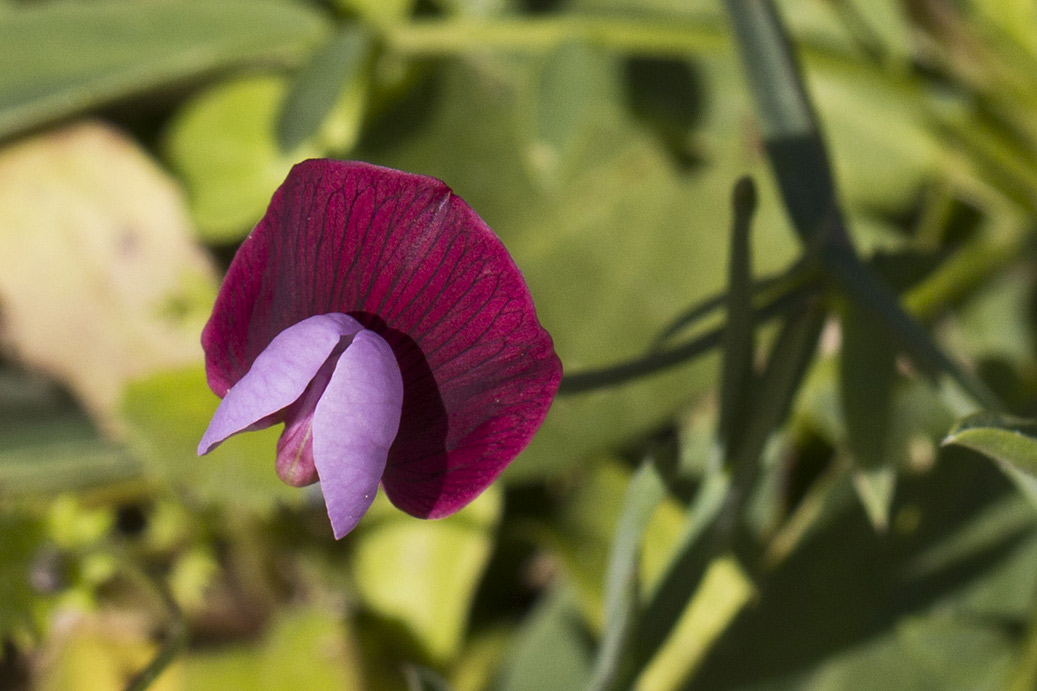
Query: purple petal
column 414, row 263
column 354, row 424
column 278, row 376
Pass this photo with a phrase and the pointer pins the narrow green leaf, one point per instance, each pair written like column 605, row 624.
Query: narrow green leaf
column 867, row 374
column 794, row 145
column 1011, row 442
column 693, row 553
column 798, row 156
column 622, row 590
column 62, row 57
column 736, row 375
column 550, row 651
column 860, row 284
column 791, row 354
column 337, row 69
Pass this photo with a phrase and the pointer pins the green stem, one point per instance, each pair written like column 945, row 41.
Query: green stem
column 542, row 34
column 659, row 360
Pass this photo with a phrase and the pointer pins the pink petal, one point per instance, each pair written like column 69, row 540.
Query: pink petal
column 278, row 376
column 411, row 261
column 354, row 424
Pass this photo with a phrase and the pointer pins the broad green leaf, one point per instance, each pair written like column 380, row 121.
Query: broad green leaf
column 165, row 416
column 423, row 574
column 64, row 57
column 99, row 278
column 550, row 651
column 1011, row 442
column 223, row 145
column 572, row 85
column 328, row 95
column 867, row 375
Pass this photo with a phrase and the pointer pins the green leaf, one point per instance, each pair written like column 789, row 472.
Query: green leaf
column 424, row 573
column 622, row 582
column 338, row 74
column 851, row 609
column 867, row 374
column 724, row 591
column 551, row 649
column 223, row 144
column 64, row 57
column 794, row 145
column 166, row 414
column 1010, row 441
column 573, row 84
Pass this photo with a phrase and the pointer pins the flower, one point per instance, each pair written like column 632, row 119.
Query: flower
column 382, row 321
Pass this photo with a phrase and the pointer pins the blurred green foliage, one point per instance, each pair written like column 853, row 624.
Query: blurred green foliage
column 840, row 531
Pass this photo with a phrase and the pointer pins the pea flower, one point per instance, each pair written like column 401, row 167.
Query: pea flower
column 381, row 320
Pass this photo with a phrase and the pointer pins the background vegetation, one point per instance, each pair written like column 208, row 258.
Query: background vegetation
column 764, row 468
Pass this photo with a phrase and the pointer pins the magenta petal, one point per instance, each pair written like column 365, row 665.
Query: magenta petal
column 414, row 263
column 354, row 424
column 279, row 375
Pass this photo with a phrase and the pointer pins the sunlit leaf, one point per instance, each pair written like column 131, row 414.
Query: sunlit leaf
column 724, row 591
column 63, row 57
column 424, row 573
column 846, row 604
column 379, row 11
column 223, row 144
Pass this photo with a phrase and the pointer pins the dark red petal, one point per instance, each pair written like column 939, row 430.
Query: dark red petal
column 410, row 260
